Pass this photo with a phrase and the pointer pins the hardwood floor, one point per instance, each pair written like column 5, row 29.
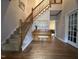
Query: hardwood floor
column 44, row 50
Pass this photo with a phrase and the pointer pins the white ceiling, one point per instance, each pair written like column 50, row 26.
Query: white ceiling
column 54, row 12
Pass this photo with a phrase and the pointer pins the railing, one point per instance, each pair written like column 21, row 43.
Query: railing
column 24, row 27
column 42, row 6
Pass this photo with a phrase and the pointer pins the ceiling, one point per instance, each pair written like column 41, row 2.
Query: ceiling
column 55, row 12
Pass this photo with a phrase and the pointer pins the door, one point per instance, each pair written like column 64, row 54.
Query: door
column 73, row 29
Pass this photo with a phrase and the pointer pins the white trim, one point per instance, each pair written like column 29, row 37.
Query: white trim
column 60, row 39
column 69, row 42
column 55, row 27
column 24, row 47
column 73, row 44
column 66, row 27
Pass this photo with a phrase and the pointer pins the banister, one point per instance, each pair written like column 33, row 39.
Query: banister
column 32, row 15
column 40, row 11
column 28, row 16
column 20, row 34
column 24, row 27
column 38, row 5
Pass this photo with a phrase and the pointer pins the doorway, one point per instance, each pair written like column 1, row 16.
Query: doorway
column 52, row 26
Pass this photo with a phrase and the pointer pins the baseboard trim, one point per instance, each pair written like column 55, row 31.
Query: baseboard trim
column 24, row 47
column 71, row 43
column 59, row 38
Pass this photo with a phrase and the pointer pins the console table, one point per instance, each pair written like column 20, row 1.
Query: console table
column 42, row 35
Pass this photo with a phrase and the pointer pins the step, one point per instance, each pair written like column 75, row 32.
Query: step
column 18, row 41
column 10, row 47
column 17, row 32
column 14, row 36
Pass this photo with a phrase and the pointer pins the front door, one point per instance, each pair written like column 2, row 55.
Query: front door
column 73, row 29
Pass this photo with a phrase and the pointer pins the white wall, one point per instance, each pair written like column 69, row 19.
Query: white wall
column 67, row 6
column 11, row 18
column 5, row 4
column 42, row 21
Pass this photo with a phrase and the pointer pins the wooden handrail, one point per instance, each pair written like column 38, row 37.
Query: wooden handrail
column 38, row 5
column 28, row 16
column 40, row 11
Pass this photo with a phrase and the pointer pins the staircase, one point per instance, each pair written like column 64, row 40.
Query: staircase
column 14, row 43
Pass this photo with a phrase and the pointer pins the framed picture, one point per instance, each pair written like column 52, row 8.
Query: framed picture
column 21, row 5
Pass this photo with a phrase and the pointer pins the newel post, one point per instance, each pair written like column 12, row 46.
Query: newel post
column 32, row 9
column 32, row 15
column 20, row 34
column 21, row 27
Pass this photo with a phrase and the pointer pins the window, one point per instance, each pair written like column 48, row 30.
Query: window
column 72, row 32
